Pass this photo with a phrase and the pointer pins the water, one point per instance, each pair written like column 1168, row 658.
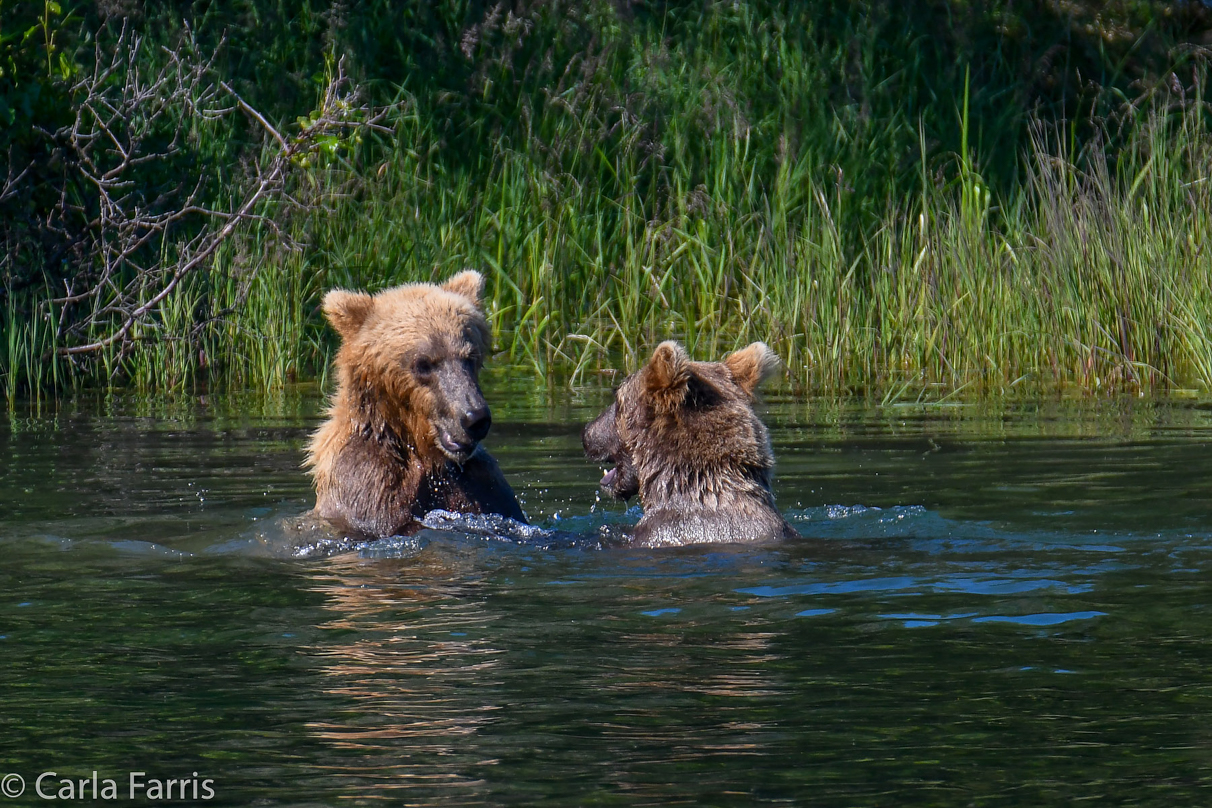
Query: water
column 991, row 606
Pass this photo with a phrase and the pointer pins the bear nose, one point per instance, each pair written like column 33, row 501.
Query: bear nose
column 477, row 422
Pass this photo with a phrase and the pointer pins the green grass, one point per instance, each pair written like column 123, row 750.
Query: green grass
column 1095, row 277
column 774, row 181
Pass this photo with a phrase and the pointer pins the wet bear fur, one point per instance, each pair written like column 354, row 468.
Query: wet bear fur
column 684, row 436
column 405, row 423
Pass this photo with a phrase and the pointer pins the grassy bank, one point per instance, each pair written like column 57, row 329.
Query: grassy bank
column 778, row 183
column 1095, row 277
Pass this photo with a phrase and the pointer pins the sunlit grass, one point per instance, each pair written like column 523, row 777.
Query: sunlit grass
column 1094, row 278
column 873, row 261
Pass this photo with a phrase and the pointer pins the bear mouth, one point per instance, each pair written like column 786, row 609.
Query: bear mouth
column 620, row 482
column 458, row 451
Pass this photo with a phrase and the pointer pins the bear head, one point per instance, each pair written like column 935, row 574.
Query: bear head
column 681, row 430
column 410, row 360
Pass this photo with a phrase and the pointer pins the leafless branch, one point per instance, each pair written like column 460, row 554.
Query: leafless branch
column 12, row 180
column 146, row 241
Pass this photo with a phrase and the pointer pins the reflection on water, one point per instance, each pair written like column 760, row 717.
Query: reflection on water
column 405, row 669
column 990, row 606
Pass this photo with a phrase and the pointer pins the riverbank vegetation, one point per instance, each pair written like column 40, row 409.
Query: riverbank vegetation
column 906, row 200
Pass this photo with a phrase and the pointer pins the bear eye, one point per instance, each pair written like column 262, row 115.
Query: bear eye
column 423, row 368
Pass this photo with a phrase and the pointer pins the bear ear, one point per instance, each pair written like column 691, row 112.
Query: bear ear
column 468, row 283
column 752, row 365
column 667, row 377
column 347, row 311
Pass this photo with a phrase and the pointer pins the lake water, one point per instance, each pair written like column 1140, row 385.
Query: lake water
column 991, row 605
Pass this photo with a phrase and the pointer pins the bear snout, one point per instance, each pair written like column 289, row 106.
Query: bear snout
column 602, row 443
column 462, row 418
column 461, row 431
column 600, row 437
column 476, row 422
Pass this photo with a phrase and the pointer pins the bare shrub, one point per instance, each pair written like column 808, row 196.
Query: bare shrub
column 152, row 215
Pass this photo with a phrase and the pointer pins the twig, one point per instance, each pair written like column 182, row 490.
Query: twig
column 131, row 237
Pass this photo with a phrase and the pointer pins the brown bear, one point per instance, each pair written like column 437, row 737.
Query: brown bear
column 685, row 437
column 405, row 424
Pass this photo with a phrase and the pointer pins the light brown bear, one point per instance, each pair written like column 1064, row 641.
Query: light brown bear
column 685, row 437
column 404, row 427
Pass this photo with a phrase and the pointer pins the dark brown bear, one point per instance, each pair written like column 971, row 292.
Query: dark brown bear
column 403, row 431
column 684, row 436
